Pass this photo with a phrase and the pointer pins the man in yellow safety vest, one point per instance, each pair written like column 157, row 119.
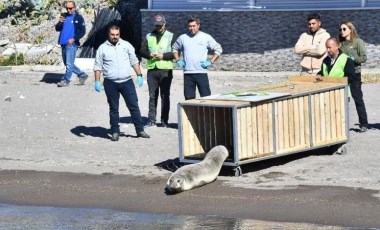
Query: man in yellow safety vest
column 157, row 49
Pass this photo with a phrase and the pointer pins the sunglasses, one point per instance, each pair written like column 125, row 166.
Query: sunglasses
column 69, row 8
column 342, row 29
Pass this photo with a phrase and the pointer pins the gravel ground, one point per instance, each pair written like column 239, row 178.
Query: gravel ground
column 46, row 128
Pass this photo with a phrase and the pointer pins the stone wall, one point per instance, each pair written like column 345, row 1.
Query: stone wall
column 263, row 40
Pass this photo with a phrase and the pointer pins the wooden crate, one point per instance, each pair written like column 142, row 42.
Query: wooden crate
column 313, row 115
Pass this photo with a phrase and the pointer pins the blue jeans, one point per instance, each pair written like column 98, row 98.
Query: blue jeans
column 68, row 56
column 128, row 91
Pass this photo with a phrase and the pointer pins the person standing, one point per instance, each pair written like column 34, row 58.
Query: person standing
column 336, row 63
column 194, row 46
column 115, row 58
column 157, row 49
column 72, row 28
column 311, row 45
column 354, row 47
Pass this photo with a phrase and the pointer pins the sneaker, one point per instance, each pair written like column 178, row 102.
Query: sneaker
column 164, row 124
column 115, row 137
column 63, row 83
column 82, row 79
column 143, row 134
column 150, row 123
column 363, row 129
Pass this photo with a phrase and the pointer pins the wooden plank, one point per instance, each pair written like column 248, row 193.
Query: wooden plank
column 243, row 132
column 320, row 80
column 316, row 114
column 343, row 109
column 307, row 120
column 270, row 127
column 286, row 124
column 327, row 115
column 265, row 130
column 338, row 114
column 202, row 127
column 260, row 124
column 280, row 131
column 291, row 122
column 297, row 121
column 250, row 151
column 185, row 130
column 322, row 116
column 332, row 114
column 255, row 130
column 239, row 136
column 301, row 127
column 191, row 134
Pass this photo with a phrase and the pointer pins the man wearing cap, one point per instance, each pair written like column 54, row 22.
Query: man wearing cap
column 157, row 49
column 194, row 46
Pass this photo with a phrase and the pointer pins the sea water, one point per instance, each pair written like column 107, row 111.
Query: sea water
column 41, row 217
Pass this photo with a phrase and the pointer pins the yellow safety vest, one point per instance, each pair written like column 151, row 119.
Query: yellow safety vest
column 338, row 67
column 163, row 46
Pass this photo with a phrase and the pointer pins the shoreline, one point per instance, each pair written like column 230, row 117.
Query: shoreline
column 335, row 206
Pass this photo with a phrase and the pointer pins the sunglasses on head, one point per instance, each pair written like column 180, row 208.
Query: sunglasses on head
column 342, row 29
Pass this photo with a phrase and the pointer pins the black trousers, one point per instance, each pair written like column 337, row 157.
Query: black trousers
column 357, row 95
column 159, row 82
column 191, row 81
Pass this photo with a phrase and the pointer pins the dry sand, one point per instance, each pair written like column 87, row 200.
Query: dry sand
column 47, row 128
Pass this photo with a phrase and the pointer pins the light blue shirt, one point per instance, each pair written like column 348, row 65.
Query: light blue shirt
column 194, row 49
column 116, row 61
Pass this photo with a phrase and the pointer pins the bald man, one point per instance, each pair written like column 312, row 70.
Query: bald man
column 336, row 63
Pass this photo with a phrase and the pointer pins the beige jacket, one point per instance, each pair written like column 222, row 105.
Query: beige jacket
column 313, row 50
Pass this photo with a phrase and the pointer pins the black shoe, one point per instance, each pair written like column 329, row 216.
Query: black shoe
column 150, row 123
column 143, row 134
column 363, row 129
column 82, row 79
column 115, row 137
column 164, row 124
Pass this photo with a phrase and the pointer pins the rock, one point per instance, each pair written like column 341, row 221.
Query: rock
column 19, row 47
column 8, row 98
column 40, row 50
column 4, row 42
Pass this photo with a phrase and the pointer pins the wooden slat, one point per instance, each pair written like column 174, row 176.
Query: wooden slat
column 249, row 132
column 297, row 121
column 316, row 114
column 260, row 124
column 286, row 123
column 280, row 129
column 270, row 127
column 332, row 114
column 338, row 114
column 291, row 122
column 343, row 106
column 322, row 116
column 243, row 132
column 327, row 115
column 265, row 122
column 255, row 143
column 239, row 136
column 307, row 120
column 318, row 79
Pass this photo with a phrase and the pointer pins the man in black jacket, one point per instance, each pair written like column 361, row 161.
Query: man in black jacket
column 72, row 28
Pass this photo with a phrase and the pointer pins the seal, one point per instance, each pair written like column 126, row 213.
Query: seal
column 194, row 175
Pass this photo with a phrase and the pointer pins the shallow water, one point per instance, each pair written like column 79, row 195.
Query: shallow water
column 41, row 217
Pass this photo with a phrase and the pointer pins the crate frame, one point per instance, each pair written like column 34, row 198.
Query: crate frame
column 234, row 107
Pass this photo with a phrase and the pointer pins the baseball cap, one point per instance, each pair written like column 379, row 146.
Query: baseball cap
column 159, row 20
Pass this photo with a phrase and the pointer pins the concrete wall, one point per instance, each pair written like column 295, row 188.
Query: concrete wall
column 264, row 40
